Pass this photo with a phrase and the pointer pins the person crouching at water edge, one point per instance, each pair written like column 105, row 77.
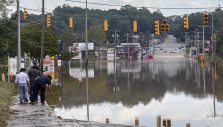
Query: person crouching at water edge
column 41, row 83
column 22, row 80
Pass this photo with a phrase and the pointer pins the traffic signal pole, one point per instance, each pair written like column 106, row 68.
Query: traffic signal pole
column 42, row 37
column 18, row 38
column 203, row 44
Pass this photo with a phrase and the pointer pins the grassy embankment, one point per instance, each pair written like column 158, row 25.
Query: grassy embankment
column 6, row 92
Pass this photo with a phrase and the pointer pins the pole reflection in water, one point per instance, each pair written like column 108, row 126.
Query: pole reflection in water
column 87, row 90
column 195, row 72
column 61, row 79
column 128, row 73
column 203, row 66
column 214, row 115
column 146, row 95
column 87, row 94
column 199, row 77
column 213, row 84
column 116, row 87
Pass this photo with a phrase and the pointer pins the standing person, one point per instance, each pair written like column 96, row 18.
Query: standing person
column 33, row 74
column 40, row 84
column 22, row 81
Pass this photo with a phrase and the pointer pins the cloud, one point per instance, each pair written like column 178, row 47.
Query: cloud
column 180, row 108
column 51, row 4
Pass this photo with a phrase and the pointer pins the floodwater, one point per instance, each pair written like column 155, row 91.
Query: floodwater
column 178, row 89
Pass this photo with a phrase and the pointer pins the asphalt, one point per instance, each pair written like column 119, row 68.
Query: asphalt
column 37, row 115
column 170, row 48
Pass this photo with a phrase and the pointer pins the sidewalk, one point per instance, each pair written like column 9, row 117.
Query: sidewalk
column 27, row 115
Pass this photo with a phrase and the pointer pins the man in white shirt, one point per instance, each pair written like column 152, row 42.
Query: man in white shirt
column 22, row 81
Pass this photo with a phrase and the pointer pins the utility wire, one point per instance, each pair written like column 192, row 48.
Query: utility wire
column 36, row 10
column 163, row 8
column 33, row 23
column 67, row 35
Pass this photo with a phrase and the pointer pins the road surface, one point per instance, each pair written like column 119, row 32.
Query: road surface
column 170, row 48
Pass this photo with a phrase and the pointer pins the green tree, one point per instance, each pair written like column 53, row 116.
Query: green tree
column 7, row 34
column 30, row 42
column 3, row 5
column 97, row 34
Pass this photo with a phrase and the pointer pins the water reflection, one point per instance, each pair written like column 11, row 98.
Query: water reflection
column 214, row 77
column 179, row 89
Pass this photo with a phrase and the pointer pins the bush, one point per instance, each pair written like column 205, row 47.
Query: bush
column 6, row 92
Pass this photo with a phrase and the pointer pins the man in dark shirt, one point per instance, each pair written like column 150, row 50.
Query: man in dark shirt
column 33, row 74
column 40, row 84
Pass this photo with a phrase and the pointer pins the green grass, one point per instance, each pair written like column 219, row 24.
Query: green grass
column 6, row 92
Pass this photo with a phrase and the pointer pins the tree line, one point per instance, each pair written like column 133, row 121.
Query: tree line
column 120, row 19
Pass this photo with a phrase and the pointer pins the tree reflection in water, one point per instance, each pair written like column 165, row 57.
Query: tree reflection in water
column 135, row 83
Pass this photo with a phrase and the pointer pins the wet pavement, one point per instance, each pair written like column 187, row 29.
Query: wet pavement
column 37, row 115
column 170, row 48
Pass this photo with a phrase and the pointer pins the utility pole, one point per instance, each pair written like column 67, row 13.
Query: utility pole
column 203, row 44
column 186, row 41
column 203, row 41
column 215, row 41
column 42, row 37
column 128, row 44
column 198, row 42
column 212, row 39
column 195, row 43
column 115, row 45
column 115, row 41
column 86, row 62
column 86, row 34
column 18, row 38
column 153, row 44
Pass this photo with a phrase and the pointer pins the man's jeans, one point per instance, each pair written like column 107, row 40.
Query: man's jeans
column 31, row 92
column 23, row 92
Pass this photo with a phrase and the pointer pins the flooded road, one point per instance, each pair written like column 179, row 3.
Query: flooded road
column 179, row 89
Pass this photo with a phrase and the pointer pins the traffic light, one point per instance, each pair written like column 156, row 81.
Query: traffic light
column 134, row 27
column 71, row 23
column 167, row 28
column 162, row 27
column 157, row 27
column 48, row 20
column 25, row 14
column 105, row 25
column 186, row 23
column 164, row 22
column 205, row 19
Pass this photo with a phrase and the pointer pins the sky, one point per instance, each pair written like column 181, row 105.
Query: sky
column 51, row 4
column 195, row 111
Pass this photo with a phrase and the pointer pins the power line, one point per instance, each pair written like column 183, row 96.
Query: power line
column 33, row 23
column 67, row 35
column 159, row 8
column 36, row 10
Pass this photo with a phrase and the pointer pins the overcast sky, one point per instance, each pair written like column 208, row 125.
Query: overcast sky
column 51, row 4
